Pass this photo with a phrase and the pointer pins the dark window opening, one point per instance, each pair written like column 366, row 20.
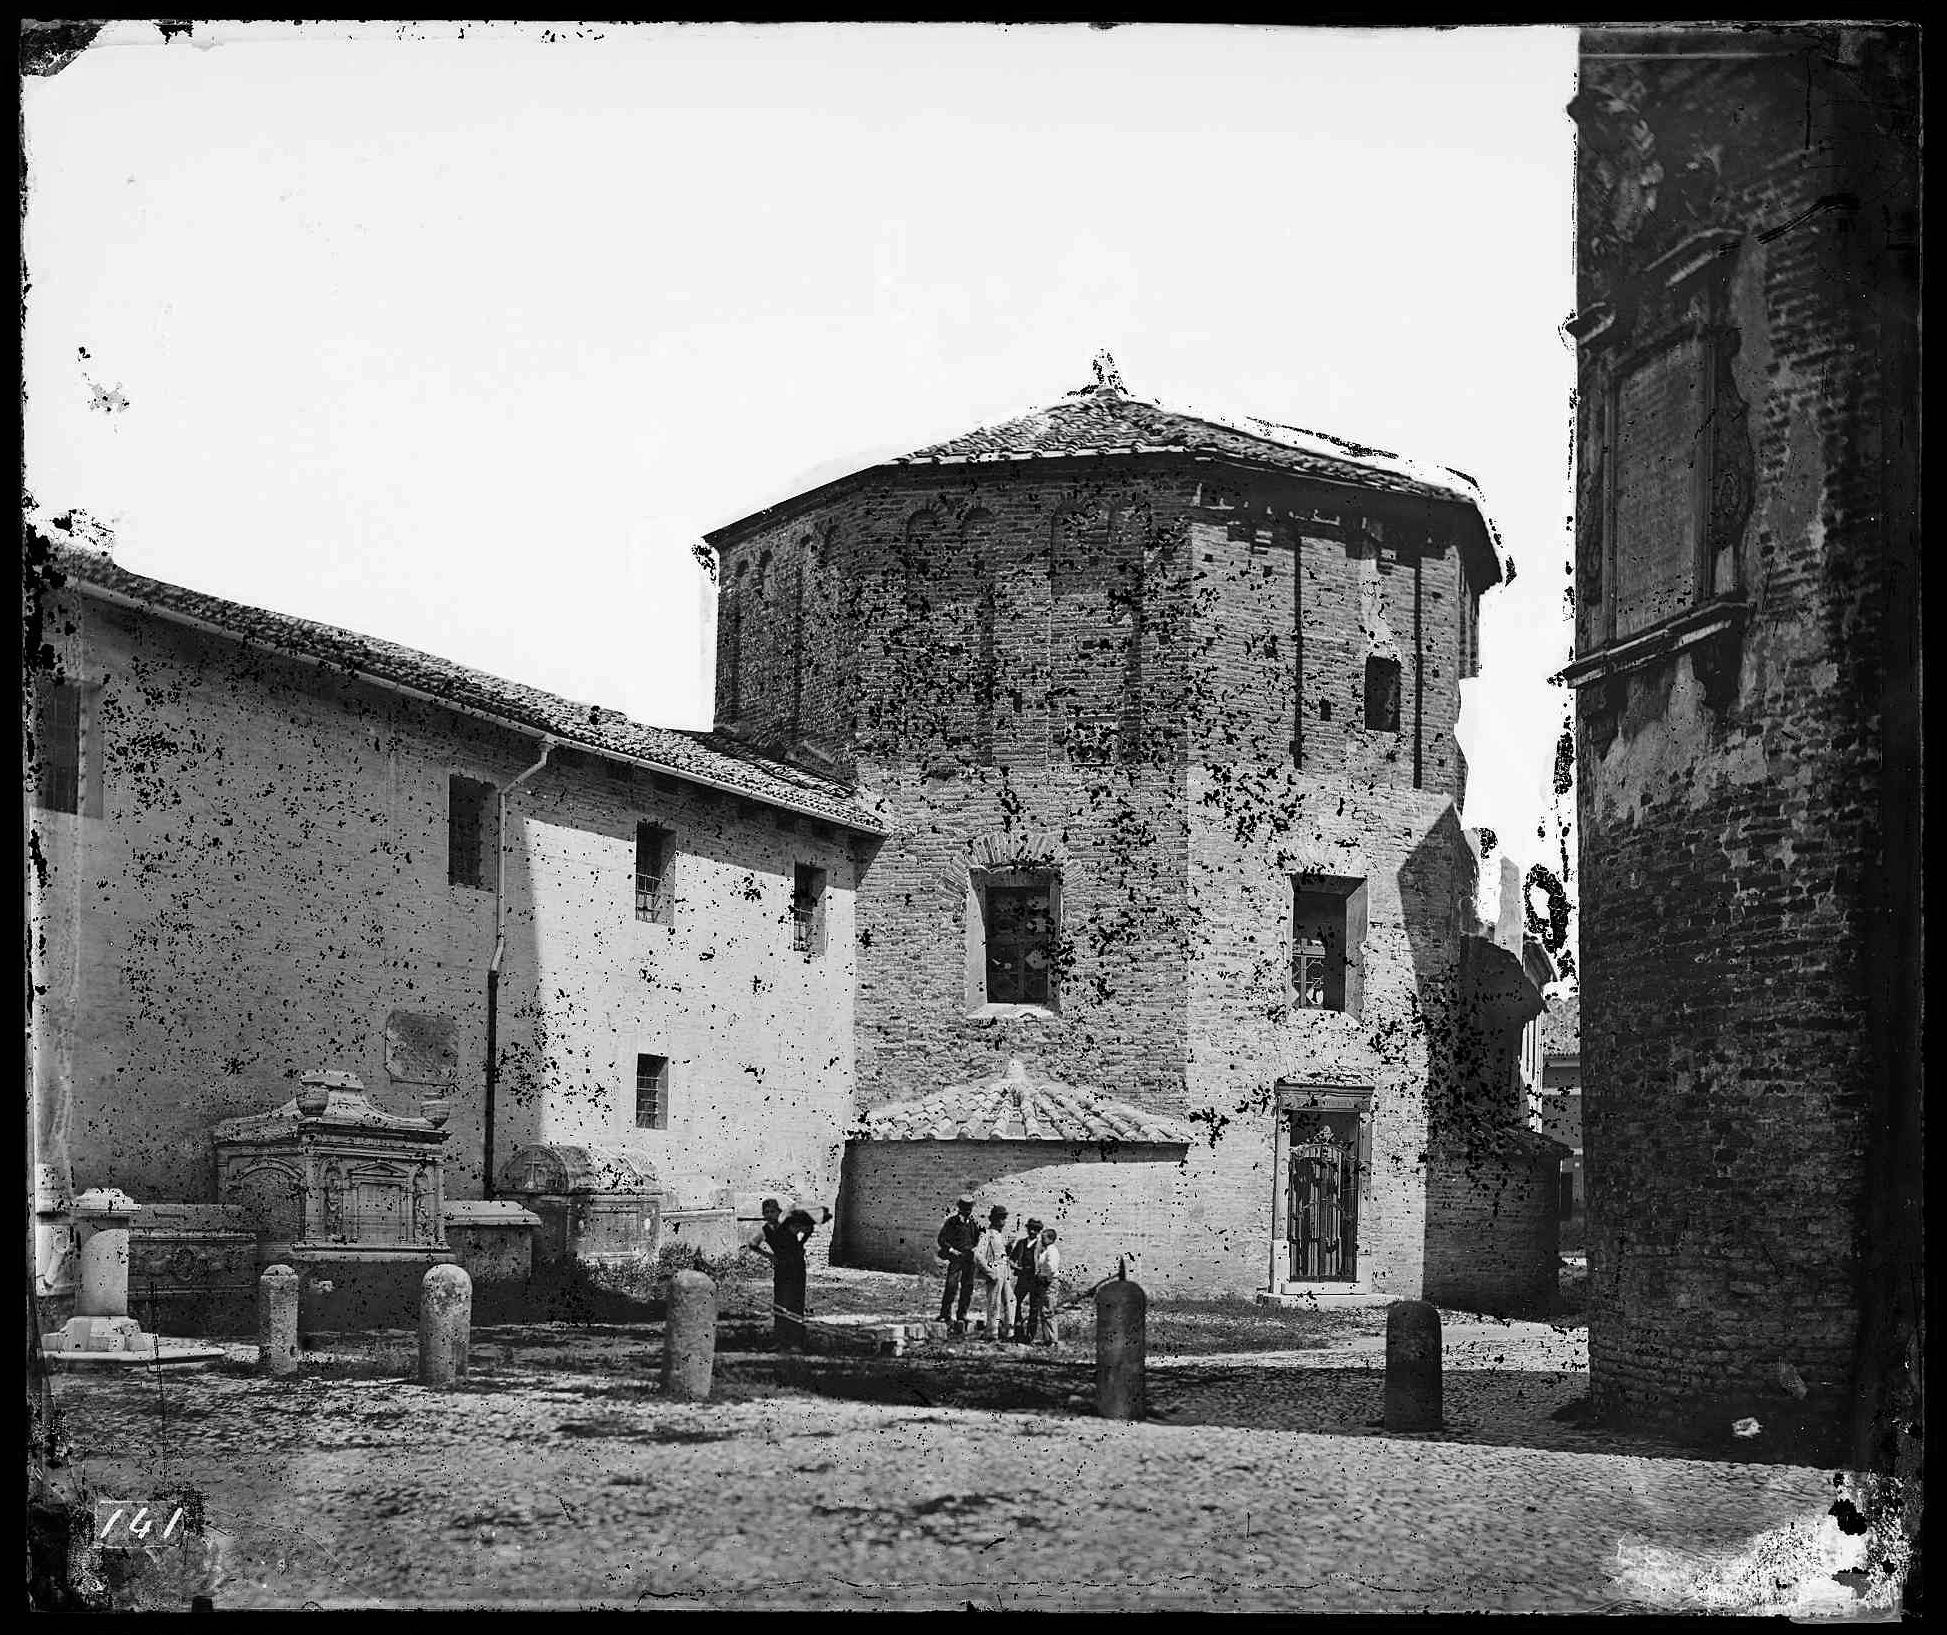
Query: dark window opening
column 654, row 900
column 1328, row 931
column 1382, row 695
column 808, row 910
column 467, row 803
column 651, row 1092
column 59, row 747
column 1020, row 924
column 1325, row 709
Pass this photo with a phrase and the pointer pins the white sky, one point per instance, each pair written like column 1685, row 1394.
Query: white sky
column 464, row 341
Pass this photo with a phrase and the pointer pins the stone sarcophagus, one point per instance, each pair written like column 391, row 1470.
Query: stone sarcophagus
column 343, row 1191
column 595, row 1203
column 193, row 1269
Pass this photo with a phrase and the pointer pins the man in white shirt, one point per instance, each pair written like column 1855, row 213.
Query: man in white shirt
column 990, row 1262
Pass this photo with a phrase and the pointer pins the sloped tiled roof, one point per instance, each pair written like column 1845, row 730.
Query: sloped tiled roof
column 1018, row 1107
column 703, row 757
column 1103, row 420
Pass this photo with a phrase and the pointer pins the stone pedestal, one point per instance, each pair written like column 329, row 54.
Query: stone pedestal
column 101, row 1331
column 445, row 1325
column 1121, row 1350
column 690, row 1337
column 277, row 1321
column 101, row 1217
column 1412, row 1401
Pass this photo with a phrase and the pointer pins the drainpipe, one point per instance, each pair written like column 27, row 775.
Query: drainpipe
column 493, row 967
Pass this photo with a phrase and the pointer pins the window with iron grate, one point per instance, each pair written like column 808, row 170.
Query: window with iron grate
column 58, row 746
column 654, row 899
column 1328, row 929
column 808, row 910
column 651, row 1092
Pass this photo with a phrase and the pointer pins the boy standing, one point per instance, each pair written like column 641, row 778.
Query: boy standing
column 1047, row 1277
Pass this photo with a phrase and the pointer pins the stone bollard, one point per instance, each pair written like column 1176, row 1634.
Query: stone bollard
column 445, row 1319
column 277, row 1321
column 690, row 1337
column 1121, row 1349
column 1412, row 1366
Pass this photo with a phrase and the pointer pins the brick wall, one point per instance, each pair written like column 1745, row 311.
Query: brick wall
column 1163, row 616
column 1733, row 836
column 1496, row 1244
column 268, row 884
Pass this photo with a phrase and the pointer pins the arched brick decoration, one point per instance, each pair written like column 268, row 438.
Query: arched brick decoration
column 1026, row 848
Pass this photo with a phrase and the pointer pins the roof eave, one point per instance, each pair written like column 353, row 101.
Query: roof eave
column 1487, row 556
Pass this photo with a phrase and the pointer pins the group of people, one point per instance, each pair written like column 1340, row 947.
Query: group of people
column 1017, row 1276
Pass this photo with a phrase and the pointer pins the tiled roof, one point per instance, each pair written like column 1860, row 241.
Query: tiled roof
column 1017, row 1107
column 1561, row 1026
column 704, row 757
column 1103, row 419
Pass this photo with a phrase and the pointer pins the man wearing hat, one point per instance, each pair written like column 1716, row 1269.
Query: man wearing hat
column 959, row 1238
column 1020, row 1256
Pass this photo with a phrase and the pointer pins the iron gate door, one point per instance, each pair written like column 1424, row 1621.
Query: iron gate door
column 1321, row 1204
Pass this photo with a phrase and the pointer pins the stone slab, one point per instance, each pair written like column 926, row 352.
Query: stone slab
column 165, row 1353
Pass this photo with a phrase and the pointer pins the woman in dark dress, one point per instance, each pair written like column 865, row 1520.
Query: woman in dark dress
column 784, row 1240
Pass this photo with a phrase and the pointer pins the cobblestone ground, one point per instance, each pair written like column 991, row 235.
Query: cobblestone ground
column 557, row 1474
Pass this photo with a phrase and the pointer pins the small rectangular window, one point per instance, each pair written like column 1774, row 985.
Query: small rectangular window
column 1092, row 737
column 469, row 804
column 808, row 910
column 1020, row 944
column 655, row 901
column 58, row 747
column 651, row 1092
column 1382, row 695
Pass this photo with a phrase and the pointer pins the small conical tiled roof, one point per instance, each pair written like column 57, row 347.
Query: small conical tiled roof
column 1019, row 1106
column 1103, row 418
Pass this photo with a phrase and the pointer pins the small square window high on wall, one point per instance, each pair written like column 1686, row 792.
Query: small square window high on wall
column 469, row 822
column 651, row 1092
column 808, row 910
column 655, row 897
column 1382, row 695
